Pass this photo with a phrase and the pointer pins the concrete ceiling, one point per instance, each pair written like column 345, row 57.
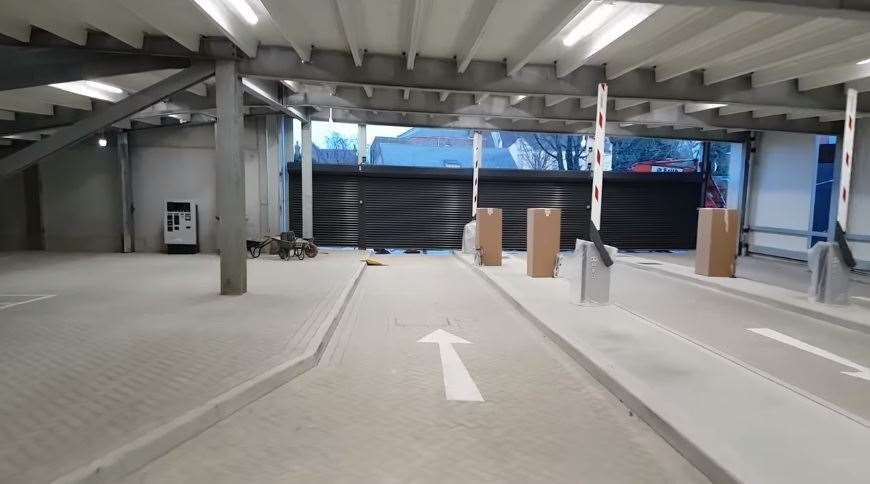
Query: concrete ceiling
column 809, row 44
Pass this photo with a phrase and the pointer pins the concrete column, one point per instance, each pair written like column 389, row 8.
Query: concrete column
column 307, row 185
column 273, row 172
column 230, row 177
column 361, row 145
column 126, row 174
column 285, row 155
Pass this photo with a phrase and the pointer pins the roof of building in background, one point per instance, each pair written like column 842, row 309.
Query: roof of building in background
column 334, row 156
column 401, row 154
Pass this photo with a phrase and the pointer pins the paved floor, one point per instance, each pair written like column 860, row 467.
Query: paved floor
column 793, row 275
column 375, row 408
column 129, row 341
column 721, row 320
column 727, row 417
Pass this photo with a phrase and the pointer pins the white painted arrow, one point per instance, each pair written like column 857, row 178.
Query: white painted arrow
column 862, row 371
column 458, row 384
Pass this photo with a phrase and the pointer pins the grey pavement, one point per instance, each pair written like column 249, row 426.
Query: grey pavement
column 736, row 424
column 130, row 341
column 788, row 274
column 374, row 410
column 720, row 320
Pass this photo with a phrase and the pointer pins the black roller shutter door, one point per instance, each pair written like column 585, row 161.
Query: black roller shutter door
column 336, row 208
column 415, row 208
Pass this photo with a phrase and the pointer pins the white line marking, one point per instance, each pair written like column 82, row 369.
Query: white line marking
column 861, row 298
column 862, row 371
column 36, row 297
column 458, row 384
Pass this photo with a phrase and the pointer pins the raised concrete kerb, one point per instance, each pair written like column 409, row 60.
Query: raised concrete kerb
column 823, row 313
column 122, row 461
column 616, row 382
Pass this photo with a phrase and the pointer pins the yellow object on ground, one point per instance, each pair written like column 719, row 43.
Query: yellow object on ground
column 372, row 262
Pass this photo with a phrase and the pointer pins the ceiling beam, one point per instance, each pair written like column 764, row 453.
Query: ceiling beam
column 849, row 51
column 269, row 92
column 550, row 100
column 292, row 26
column 523, row 125
column 473, row 29
column 155, row 15
column 543, row 31
column 416, row 20
column 782, row 47
column 64, row 137
column 427, row 102
column 349, row 16
column 834, row 75
column 842, row 9
column 41, row 66
column 231, row 24
column 332, row 67
column 51, row 95
column 663, row 30
column 620, row 23
column 103, row 15
column 49, row 17
column 11, row 101
column 749, row 33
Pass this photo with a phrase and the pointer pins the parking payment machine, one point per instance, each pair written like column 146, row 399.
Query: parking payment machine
column 180, row 227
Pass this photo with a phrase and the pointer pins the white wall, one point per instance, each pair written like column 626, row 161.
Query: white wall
column 783, row 182
column 179, row 162
column 81, row 207
column 13, row 227
column 859, row 206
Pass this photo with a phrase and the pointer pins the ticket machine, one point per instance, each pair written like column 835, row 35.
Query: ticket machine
column 180, row 227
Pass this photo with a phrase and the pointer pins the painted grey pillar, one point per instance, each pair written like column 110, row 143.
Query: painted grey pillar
column 125, row 170
column 230, row 177
column 361, row 151
column 307, row 186
column 273, row 171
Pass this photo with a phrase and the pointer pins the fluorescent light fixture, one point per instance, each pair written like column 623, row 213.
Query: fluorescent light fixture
column 102, row 86
column 257, row 89
column 244, row 10
column 92, row 89
column 863, row 62
column 103, row 142
column 593, row 17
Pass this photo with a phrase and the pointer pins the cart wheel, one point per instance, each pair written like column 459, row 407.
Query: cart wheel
column 257, row 251
column 251, row 252
column 299, row 253
column 284, row 253
column 311, row 250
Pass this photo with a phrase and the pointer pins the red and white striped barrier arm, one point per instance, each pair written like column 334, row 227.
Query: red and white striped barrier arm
column 598, row 175
column 477, row 156
column 846, row 176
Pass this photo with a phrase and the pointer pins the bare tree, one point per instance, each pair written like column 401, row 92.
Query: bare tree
column 568, row 152
column 532, row 158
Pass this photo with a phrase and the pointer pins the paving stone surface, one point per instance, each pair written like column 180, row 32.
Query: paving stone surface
column 374, row 410
column 130, row 341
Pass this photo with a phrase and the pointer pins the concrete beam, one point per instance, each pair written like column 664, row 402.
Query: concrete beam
column 230, row 180
column 429, row 103
column 524, row 125
column 472, row 32
column 116, row 112
column 842, row 9
column 338, row 68
column 41, row 66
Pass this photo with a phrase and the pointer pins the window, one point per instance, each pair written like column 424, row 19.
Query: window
column 725, row 180
column 535, row 151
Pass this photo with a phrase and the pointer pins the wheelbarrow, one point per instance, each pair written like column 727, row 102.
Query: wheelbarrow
column 288, row 245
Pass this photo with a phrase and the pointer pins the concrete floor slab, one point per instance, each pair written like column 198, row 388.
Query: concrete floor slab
column 733, row 423
column 131, row 341
column 375, row 409
column 852, row 316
